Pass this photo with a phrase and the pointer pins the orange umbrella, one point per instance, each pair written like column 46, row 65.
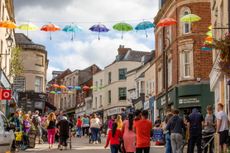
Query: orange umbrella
column 50, row 28
column 166, row 22
column 8, row 24
column 208, row 38
column 55, row 85
column 62, row 87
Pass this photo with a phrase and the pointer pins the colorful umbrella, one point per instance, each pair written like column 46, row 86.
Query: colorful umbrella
column 144, row 26
column 99, row 28
column 52, row 92
column 123, row 27
column 70, row 87
column 58, row 92
column 77, row 87
column 62, row 87
column 210, row 27
column 55, row 85
column 50, row 28
column 28, row 27
column 209, row 33
column 85, row 88
column 166, row 22
column 8, row 24
column 189, row 18
column 206, row 49
column 208, row 38
column 72, row 29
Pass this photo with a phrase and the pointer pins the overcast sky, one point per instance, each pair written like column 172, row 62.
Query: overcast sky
column 86, row 49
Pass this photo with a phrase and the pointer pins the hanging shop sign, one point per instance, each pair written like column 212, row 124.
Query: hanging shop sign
column 114, row 111
column 5, row 94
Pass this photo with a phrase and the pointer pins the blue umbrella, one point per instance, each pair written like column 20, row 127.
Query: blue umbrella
column 144, row 26
column 99, row 28
column 72, row 28
column 206, row 49
column 77, row 87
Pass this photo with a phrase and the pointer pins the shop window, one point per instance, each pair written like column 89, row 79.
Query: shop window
column 122, row 74
column 122, row 93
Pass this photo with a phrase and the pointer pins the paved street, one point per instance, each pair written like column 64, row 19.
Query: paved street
column 81, row 146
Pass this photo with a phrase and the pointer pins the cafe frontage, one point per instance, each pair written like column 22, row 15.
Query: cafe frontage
column 187, row 97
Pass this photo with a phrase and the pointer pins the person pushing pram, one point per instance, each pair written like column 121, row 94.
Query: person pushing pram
column 64, row 127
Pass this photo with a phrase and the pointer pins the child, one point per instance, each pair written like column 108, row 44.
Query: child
column 114, row 137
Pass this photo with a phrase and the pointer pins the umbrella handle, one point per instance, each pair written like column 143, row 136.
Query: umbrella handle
column 146, row 34
column 98, row 37
column 122, row 34
column 72, row 36
column 50, row 36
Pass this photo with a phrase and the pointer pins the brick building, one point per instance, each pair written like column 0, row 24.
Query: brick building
column 188, row 67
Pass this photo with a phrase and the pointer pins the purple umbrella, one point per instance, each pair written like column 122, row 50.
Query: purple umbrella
column 99, row 28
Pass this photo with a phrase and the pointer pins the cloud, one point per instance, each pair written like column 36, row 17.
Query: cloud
column 86, row 49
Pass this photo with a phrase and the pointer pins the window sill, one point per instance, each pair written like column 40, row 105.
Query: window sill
column 186, row 78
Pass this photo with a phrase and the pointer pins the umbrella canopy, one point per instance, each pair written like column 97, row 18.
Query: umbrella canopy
column 28, row 27
column 52, row 92
column 210, row 27
column 62, row 87
column 189, row 18
column 50, row 28
column 55, row 85
column 144, row 26
column 208, row 38
column 70, row 87
column 123, row 27
column 77, row 87
column 58, row 92
column 85, row 88
column 8, row 24
column 206, row 49
column 99, row 28
column 72, row 29
column 166, row 22
column 209, row 33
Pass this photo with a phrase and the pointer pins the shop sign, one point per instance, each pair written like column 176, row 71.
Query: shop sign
column 146, row 105
column 189, row 100
column 114, row 111
column 4, row 80
column 5, row 94
column 138, row 105
column 163, row 101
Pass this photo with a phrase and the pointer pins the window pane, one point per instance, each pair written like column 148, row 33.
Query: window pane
column 122, row 93
column 122, row 74
column 38, row 84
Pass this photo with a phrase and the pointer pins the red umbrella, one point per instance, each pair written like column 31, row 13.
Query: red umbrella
column 50, row 28
column 85, row 88
column 166, row 22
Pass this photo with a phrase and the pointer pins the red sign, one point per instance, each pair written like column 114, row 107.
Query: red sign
column 5, row 94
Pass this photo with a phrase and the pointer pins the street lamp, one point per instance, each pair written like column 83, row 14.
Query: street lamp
column 9, row 41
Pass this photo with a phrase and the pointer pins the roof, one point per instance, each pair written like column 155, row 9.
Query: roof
column 26, row 43
column 60, row 76
column 87, row 74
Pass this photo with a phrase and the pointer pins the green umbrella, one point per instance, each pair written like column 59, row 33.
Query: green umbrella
column 209, row 33
column 189, row 18
column 123, row 27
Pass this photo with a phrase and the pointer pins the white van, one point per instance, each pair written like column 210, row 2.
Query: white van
column 6, row 135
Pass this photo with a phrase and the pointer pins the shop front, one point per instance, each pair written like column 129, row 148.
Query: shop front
column 113, row 111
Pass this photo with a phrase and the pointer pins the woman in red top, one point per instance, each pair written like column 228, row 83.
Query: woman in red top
column 79, row 126
column 113, row 139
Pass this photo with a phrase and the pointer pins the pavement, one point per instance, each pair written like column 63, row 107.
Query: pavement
column 81, row 145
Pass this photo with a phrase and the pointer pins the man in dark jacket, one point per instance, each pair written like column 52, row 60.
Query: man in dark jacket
column 176, row 127
column 195, row 120
column 64, row 130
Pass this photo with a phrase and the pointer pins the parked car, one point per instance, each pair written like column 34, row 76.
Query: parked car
column 6, row 135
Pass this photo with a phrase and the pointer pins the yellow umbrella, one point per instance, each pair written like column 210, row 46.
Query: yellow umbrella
column 210, row 27
column 209, row 33
column 8, row 24
column 189, row 18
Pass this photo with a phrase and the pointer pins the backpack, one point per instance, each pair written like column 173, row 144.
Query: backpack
column 35, row 121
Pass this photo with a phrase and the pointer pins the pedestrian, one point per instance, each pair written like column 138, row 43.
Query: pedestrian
column 137, row 115
column 26, row 129
column 129, row 136
column 85, row 126
column 36, row 120
column 51, row 129
column 195, row 120
column 113, row 138
column 110, row 123
column 79, row 126
column 123, row 114
column 168, row 146
column 222, row 128
column 64, row 130
column 60, row 116
column 143, row 129
column 209, row 129
column 157, row 122
column 119, row 122
column 95, row 126
column 176, row 128
column 15, row 120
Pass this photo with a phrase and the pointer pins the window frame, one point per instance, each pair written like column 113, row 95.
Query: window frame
column 122, row 95
column 109, row 97
column 36, row 86
column 38, row 56
column 109, row 77
column 185, row 11
column 122, row 76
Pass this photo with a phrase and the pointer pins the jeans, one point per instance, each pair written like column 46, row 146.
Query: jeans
column 168, row 143
column 94, row 132
column 79, row 131
column 176, row 142
column 140, row 150
column 51, row 135
column 85, row 130
column 195, row 140
column 114, row 148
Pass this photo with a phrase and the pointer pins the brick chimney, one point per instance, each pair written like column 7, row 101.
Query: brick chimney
column 122, row 50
